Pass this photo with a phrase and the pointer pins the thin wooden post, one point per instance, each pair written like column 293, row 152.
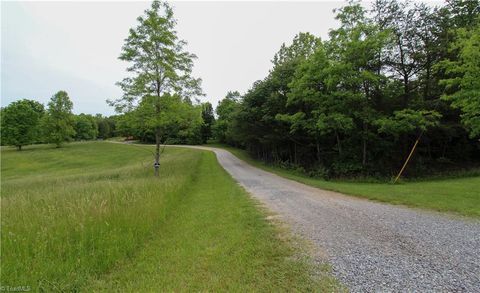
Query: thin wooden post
column 408, row 158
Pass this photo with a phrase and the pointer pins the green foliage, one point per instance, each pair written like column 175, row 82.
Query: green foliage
column 86, row 127
column 106, row 126
column 178, row 122
column 303, row 45
column 335, row 122
column 408, row 121
column 258, row 119
column 20, row 123
column 26, row 122
column 208, row 121
column 126, row 125
column 159, row 63
column 225, row 111
column 355, row 103
column 464, row 84
column 160, row 72
column 58, row 123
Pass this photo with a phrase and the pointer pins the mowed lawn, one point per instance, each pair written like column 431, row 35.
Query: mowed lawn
column 91, row 217
column 459, row 196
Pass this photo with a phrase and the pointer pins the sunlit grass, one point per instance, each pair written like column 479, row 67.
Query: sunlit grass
column 91, row 216
column 71, row 213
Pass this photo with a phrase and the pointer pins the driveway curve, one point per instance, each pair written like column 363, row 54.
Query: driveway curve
column 372, row 247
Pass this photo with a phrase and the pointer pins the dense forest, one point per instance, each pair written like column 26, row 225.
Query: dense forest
column 355, row 104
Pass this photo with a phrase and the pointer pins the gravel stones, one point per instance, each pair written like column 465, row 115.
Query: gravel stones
column 373, row 247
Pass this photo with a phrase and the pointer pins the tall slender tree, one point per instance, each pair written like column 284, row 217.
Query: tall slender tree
column 208, row 121
column 160, row 66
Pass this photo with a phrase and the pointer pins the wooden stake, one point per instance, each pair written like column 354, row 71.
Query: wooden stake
column 408, row 158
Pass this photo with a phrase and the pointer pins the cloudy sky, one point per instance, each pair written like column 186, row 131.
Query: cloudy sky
column 73, row 46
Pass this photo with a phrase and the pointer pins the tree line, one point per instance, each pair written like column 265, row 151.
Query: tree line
column 26, row 122
column 180, row 121
column 355, row 103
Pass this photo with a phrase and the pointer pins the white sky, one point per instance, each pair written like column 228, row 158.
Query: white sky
column 73, row 46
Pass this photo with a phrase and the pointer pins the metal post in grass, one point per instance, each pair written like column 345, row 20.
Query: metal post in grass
column 156, row 165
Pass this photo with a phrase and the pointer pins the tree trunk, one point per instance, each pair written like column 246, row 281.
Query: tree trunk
column 426, row 92
column 338, row 143
column 364, row 159
column 364, row 156
column 19, row 147
column 157, row 139
column 290, row 155
column 406, row 90
column 318, row 151
column 295, row 153
column 157, row 151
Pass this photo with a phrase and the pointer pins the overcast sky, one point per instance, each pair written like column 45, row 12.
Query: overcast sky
column 73, row 46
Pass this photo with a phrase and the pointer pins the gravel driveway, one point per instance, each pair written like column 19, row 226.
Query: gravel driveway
column 373, row 247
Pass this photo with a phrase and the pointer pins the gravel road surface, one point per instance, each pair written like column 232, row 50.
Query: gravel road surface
column 373, row 247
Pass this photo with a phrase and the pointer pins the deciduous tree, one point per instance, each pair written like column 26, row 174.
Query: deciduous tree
column 58, row 123
column 463, row 86
column 160, row 66
column 86, row 127
column 20, row 123
column 208, row 121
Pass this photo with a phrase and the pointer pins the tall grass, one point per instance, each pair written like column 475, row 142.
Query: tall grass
column 216, row 240
column 91, row 217
column 71, row 213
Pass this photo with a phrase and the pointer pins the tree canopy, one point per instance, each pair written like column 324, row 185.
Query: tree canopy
column 463, row 84
column 86, row 127
column 58, row 122
column 20, row 123
column 355, row 103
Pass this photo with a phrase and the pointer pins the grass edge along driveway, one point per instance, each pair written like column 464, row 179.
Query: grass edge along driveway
column 456, row 196
column 91, row 217
column 218, row 239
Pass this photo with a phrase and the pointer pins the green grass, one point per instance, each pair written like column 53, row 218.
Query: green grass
column 459, row 196
column 91, row 217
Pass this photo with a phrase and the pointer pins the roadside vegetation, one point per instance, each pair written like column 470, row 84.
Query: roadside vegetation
column 91, row 217
column 454, row 195
column 355, row 103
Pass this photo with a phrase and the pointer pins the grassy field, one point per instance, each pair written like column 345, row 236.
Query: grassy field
column 458, row 196
column 91, row 217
